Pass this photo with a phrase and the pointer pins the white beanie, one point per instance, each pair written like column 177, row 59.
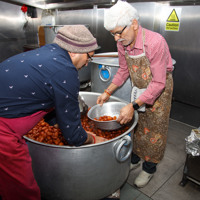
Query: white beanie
column 121, row 14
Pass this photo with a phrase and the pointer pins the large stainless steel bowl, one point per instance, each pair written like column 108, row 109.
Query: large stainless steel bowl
column 110, row 109
column 89, row 172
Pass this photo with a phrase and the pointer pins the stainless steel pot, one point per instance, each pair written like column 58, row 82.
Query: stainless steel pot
column 89, row 172
column 103, row 71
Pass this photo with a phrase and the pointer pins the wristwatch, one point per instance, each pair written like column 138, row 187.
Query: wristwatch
column 135, row 105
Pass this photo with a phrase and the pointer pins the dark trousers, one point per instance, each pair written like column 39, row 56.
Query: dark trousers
column 148, row 167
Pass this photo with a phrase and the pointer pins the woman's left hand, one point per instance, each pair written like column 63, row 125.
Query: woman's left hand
column 126, row 114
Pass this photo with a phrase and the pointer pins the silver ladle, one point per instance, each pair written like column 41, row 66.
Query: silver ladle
column 82, row 105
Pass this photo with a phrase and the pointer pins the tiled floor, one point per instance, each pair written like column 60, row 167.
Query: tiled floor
column 165, row 183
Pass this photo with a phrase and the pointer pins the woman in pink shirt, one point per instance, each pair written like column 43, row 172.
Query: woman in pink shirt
column 144, row 56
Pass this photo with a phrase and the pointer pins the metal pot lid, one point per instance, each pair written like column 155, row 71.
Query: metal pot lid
column 110, row 61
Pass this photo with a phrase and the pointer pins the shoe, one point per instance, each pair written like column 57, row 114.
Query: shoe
column 142, row 179
column 135, row 166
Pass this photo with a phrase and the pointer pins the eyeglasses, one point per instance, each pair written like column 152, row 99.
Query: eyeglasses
column 118, row 33
column 89, row 58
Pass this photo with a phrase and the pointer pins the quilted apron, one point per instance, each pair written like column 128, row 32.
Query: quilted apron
column 150, row 137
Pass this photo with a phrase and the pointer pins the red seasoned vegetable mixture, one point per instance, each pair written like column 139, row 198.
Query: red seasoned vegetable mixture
column 105, row 118
column 45, row 133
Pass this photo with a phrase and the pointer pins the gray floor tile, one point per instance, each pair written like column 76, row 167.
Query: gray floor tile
column 177, row 133
column 143, row 197
column 128, row 192
column 175, row 153
column 171, row 190
column 176, row 144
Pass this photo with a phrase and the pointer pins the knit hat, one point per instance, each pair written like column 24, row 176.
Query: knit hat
column 121, row 14
column 76, row 39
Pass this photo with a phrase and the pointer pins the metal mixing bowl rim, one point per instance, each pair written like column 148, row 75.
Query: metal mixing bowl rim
column 95, row 106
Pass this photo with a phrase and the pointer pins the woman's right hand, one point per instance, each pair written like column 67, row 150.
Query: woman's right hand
column 103, row 98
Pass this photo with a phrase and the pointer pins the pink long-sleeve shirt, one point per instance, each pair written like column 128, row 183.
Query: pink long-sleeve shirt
column 157, row 51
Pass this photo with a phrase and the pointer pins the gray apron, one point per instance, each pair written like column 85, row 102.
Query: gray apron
column 150, row 137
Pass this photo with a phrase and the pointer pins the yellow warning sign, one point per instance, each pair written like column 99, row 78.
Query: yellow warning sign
column 172, row 26
column 172, row 23
column 173, row 17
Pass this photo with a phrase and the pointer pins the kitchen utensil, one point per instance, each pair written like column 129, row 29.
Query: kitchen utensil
column 110, row 109
column 82, row 105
